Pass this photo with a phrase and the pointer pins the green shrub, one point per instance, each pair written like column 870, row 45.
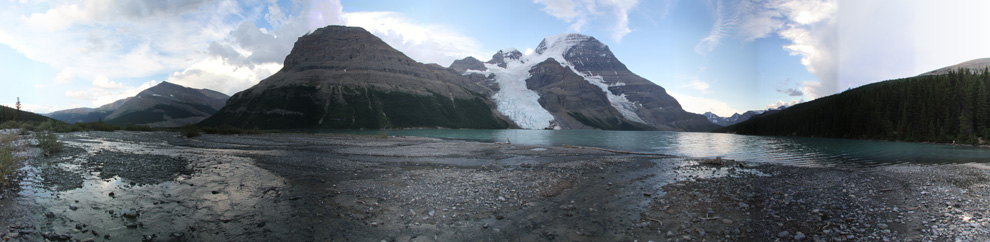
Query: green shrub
column 10, row 124
column 48, row 141
column 189, row 131
column 8, row 163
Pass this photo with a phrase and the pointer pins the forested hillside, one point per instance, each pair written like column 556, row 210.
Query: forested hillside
column 8, row 114
column 946, row 108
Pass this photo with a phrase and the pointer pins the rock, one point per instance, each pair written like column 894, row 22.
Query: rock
column 73, row 208
column 783, row 234
column 111, row 194
column 727, row 221
column 799, row 236
column 131, row 214
column 882, row 226
column 501, row 198
column 743, row 205
column 485, row 226
column 131, row 225
column 646, row 194
column 49, row 214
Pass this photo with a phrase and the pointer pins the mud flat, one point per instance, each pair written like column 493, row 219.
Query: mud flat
column 130, row 186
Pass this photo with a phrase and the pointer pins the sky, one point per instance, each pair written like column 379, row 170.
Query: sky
column 722, row 56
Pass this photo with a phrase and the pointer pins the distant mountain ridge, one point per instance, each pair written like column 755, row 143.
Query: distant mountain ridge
column 738, row 118
column 974, row 65
column 164, row 105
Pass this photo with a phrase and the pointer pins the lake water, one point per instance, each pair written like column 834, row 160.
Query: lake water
column 791, row 150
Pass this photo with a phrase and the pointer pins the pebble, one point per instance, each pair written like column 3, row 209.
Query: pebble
column 783, row 234
column 799, row 236
column 50, row 214
column 727, row 221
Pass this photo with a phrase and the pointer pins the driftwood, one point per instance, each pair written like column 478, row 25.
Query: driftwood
column 613, row 151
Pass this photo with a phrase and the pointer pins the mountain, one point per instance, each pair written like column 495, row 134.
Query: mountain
column 738, row 118
column 573, row 81
column 346, row 78
column 164, row 105
column 82, row 115
column 734, row 119
column 975, row 65
column 949, row 108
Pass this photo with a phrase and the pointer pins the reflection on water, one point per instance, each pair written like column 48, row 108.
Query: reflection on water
column 791, row 150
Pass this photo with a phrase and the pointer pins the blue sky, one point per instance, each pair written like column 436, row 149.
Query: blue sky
column 712, row 55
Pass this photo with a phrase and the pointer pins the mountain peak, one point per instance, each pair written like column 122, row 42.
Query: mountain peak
column 503, row 56
column 563, row 42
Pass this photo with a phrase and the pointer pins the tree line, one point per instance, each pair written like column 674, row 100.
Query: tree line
column 947, row 108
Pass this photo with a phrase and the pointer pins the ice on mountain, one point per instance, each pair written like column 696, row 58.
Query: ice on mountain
column 522, row 105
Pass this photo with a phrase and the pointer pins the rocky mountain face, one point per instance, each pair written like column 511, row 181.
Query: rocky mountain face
column 346, row 78
column 573, row 81
column 164, row 105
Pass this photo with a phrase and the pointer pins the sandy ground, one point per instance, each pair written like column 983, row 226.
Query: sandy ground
column 130, row 186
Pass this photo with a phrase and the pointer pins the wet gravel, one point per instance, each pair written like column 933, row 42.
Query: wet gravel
column 157, row 186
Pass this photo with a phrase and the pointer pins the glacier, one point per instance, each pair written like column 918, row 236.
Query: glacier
column 522, row 105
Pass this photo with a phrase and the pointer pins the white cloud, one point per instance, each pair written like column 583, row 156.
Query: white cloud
column 117, row 38
column 725, row 21
column 64, row 77
column 103, row 82
column 216, row 74
column 105, row 91
column 423, row 43
column 698, row 85
column 811, row 27
column 579, row 13
column 781, row 103
column 701, row 105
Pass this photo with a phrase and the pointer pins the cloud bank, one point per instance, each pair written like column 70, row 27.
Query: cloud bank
column 578, row 13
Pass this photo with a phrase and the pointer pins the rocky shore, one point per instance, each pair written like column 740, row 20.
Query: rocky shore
column 131, row 186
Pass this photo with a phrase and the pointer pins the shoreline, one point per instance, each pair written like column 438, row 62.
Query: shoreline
column 348, row 187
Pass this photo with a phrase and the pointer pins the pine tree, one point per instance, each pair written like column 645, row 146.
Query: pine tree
column 17, row 115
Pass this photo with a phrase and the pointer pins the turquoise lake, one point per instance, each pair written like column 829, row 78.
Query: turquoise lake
column 792, row 150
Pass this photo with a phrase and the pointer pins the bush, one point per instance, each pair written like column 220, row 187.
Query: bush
column 8, row 166
column 8, row 163
column 189, row 131
column 10, row 124
column 25, row 127
column 48, row 141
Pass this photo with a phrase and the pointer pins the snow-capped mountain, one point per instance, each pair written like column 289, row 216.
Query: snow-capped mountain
column 734, row 119
column 573, row 81
column 739, row 118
